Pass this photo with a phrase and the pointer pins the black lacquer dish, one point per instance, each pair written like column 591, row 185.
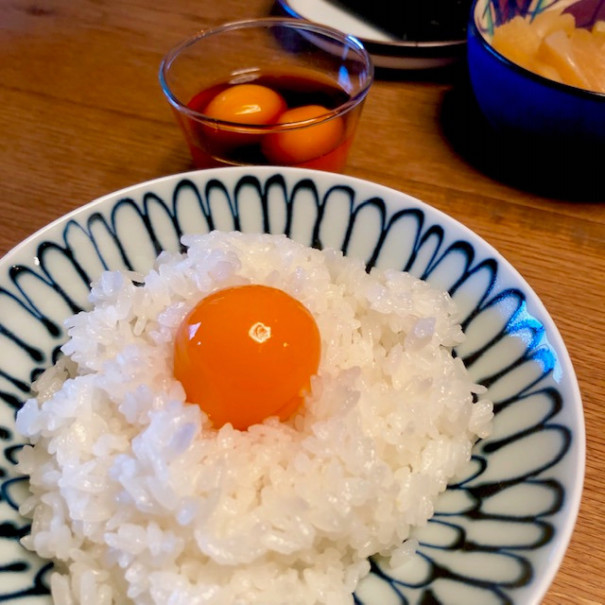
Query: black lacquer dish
column 398, row 35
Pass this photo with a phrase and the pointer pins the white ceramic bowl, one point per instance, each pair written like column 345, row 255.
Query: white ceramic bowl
column 499, row 534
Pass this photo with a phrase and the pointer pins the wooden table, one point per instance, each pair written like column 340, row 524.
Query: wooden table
column 82, row 115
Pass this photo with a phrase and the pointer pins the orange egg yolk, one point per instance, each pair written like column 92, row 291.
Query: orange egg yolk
column 305, row 143
column 246, row 353
column 246, row 104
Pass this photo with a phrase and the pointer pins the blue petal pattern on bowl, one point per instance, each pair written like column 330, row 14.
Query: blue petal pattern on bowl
column 500, row 531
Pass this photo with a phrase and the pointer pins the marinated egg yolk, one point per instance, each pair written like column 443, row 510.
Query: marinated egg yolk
column 248, row 104
column 246, row 353
column 302, row 144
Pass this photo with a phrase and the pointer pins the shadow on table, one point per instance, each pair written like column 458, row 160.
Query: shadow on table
column 554, row 171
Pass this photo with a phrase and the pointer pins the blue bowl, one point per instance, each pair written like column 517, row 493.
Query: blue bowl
column 519, row 103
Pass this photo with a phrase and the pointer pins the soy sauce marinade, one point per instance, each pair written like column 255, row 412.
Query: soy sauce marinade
column 306, row 96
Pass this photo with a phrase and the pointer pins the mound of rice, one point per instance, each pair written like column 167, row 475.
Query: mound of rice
column 138, row 499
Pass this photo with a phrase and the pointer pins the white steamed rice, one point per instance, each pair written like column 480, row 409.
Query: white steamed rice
column 138, row 499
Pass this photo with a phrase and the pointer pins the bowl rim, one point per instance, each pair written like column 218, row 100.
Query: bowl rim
column 267, row 23
column 457, row 230
column 474, row 30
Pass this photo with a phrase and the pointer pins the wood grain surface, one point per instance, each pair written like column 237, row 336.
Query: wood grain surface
column 82, row 115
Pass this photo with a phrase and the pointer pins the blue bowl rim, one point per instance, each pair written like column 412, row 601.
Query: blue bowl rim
column 474, row 30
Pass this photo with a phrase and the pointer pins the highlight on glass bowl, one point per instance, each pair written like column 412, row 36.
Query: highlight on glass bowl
column 277, row 91
column 287, row 384
column 538, row 68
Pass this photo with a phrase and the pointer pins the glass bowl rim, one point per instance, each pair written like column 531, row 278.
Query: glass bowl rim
column 267, row 23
